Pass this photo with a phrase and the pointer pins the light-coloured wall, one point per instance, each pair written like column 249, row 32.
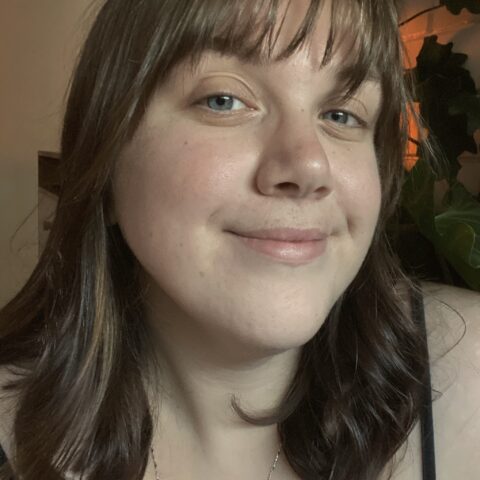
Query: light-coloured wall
column 39, row 40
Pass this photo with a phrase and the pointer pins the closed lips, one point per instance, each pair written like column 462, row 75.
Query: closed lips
column 285, row 234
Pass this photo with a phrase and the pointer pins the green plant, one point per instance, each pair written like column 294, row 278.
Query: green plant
column 442, row 242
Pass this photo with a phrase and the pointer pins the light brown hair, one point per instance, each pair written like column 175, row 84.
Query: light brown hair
column 76, row 328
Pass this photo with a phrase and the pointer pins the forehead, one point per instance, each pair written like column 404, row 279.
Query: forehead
column 342, row 67
column 301, row 30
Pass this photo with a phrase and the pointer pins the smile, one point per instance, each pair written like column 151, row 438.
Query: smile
column 295, row 253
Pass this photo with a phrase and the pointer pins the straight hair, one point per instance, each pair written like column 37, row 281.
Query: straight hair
column 75, row 334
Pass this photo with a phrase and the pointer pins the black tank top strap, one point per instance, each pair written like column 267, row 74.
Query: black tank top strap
column 428, row 443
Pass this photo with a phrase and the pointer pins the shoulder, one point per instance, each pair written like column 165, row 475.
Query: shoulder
column 452, row 320
column 452, row 298
column 452, row 317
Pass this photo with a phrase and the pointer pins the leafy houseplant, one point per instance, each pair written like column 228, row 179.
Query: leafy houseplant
column 441, row 242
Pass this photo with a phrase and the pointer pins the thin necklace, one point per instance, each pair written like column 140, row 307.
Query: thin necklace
column 269, row 475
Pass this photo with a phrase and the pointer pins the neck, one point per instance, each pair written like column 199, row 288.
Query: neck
column 195, row 418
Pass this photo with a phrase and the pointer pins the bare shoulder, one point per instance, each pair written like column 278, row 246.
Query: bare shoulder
column 452, row 317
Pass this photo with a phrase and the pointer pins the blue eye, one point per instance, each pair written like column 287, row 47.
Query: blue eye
column 343, row 118
column 223, row 101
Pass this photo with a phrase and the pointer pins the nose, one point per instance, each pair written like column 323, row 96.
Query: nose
column 293, row 160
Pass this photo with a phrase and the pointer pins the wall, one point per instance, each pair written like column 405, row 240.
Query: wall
column 39, row 40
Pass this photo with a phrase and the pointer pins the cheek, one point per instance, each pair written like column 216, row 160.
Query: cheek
column 155, row 177
column 359, row 191
column 166, row 194
column 365, row 196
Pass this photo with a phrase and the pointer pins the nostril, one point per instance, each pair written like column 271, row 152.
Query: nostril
column 287, row 186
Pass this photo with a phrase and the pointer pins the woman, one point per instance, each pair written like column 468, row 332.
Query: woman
column 217, row 299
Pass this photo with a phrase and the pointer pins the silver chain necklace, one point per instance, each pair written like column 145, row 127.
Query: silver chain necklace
column 269, row 475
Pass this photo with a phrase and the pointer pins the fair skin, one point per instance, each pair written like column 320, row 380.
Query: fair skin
column 455, row 372
column 230, row 320
column 456, row 414
column 227, row 319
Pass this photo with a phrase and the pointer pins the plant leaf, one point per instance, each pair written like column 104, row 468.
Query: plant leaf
column 458, row 229
column 456, row 6
column 417, row 197
column 462, row 208
column 438, row 58
column 460, row 246
column 468, row 104
column 439, row 78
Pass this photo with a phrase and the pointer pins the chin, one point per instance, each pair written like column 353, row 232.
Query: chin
column 291, row 331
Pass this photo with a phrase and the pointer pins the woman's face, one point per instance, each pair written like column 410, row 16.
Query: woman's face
column 279, row 151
